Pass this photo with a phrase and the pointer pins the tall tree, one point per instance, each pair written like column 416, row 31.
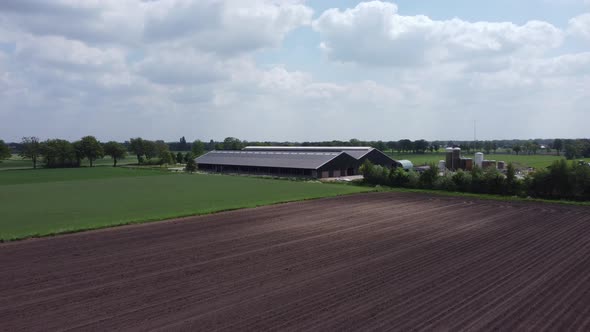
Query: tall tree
column 487, row 147
column 183, row 146
column 136, row 146
column 31, row 148
column 91, row 149
column 198, row 148
column 420, row 146
column 191, row 166
column 232, row 143
column 116, row 150
column 78, row 152
column 558, row 145
column 150, row 149
column 58, row 153
column 4, row 150
column 179, row 157
column 516, row 149
column 211, row 145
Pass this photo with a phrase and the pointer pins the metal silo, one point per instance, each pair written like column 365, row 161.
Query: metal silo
column 449, row 158
column 456, row 158
column 479, row 159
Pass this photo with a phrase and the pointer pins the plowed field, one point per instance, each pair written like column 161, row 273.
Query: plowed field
column 372, row 261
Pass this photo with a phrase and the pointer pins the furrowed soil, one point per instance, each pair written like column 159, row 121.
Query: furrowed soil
column 375, row 261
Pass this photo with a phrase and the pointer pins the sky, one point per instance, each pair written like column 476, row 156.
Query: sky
column 293, row 70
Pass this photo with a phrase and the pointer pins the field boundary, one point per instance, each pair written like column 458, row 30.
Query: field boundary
column 170, row 218
column 476, row 196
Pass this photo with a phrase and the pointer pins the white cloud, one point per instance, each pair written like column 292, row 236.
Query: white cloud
column 580, row 26
column 374, row 33
column 166, row 68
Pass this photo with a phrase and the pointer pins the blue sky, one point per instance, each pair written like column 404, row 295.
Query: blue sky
column 294, row 70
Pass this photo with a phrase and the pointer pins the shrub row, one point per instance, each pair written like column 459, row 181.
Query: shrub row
column 562, row 180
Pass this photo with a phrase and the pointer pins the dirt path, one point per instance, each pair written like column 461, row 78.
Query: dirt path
column 373, row 261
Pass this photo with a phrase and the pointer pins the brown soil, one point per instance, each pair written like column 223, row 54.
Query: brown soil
column 373, row 261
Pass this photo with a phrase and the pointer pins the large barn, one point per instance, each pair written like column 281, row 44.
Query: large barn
column 314, row 162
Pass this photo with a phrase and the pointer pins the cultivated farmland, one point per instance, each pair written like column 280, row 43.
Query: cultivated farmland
column 361, row 262
column 48, row 201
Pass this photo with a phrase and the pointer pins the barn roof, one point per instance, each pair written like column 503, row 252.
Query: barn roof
column 285, row 159
column 309, row 148
column 354, row 151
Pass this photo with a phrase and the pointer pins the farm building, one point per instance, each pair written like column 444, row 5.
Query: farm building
column 315, row 162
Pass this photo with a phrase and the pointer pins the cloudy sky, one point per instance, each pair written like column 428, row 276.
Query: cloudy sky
column 294, row 70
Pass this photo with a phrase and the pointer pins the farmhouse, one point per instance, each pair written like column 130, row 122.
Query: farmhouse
column 314, row 162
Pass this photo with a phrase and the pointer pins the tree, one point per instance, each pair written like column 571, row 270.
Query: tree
column 163, row 152
column 150, row 149
column 429, row 176
column 434, row 147
column 420, row 146
column 116, row 150
column 183, row 146
column 392, row 145
column 516, row 149
column 78, row 152
column 510, row 178
column 191, row 166
column 405, row 145
column 188, row 157
column 198, row 148
column 136, row 146
column 232, row 143
column 179, row 158
column 211, row 145
column 91, row 149
column 487, row 147
column 58, row 153
column 167, row 158
column 558, row 145
column 571, row 150
column 4, row 150
column 31, row 148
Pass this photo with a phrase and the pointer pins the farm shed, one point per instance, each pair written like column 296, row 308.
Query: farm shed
column 314, row 162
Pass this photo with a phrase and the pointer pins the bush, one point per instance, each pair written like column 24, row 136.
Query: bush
column 462, row 181
column 428, row 177
column 493, row 181
column 398, row 177
column 191, row 166
column 413, row 180
column 445, row 182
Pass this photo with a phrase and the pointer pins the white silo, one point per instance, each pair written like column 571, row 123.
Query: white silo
column 479, row 159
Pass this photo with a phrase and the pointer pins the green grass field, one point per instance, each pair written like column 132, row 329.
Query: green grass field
column 520, row 161
column 44, row 202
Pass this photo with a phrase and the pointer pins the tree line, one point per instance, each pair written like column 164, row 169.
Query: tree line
column 61, row 153
column 561, row 180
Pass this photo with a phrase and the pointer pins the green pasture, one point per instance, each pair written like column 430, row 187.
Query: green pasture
column 519, row 161
column 44, row 202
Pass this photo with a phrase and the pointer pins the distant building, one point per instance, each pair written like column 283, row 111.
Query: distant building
column 293, row 161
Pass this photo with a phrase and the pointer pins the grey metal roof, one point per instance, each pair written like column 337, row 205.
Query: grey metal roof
column 358, row 154
column 310, row 148
column 285, row 159
column 355, row 151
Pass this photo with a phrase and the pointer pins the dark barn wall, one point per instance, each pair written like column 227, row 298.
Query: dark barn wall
column 378, row 158
column 343, row 164
column 273, row 171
